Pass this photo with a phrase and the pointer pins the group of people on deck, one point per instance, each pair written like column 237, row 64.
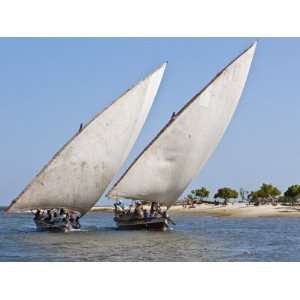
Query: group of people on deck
column 58, row 216
column 138, row 210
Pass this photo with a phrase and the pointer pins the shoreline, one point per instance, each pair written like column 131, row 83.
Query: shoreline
column 235, row 210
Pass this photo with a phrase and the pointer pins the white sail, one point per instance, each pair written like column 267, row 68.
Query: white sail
column 79, row 173
column 168, row 164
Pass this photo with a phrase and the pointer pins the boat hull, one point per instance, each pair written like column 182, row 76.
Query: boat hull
column 160, row 224
column 42, row 225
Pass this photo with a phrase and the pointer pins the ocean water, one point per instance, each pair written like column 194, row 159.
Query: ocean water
column 194, row 238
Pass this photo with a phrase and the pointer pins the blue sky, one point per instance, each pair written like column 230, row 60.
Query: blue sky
column 49, row 86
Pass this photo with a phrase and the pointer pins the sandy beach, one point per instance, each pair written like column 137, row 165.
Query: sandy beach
column 235, row 210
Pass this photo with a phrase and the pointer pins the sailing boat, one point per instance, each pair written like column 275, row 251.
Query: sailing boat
column 74, row 179
column 165, row 168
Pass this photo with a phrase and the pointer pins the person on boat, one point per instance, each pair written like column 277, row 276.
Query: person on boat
column 65, row 220
column 37, row 214
column 48, row 215
column 139, row 210
column 55, row 214
column 74, row 222
column 119, row 208
column 146, row 214
column 68, row 216
column 165, row 215
column 121, row 205
column 155, row 209
column 152, row 209
column 71, row 218
column 128, row 211
column 158, row 208
column 43, row 214
column 62, row 215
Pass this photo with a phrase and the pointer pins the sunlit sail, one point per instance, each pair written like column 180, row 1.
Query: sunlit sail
column 81, row 170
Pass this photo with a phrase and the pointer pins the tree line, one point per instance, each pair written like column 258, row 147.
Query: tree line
column 267, row 193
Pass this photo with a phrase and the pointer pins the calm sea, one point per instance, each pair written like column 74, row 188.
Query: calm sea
column 195, row 238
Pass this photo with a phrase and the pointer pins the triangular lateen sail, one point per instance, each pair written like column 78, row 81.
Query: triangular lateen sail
column 168, row 164
column 81, row 170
